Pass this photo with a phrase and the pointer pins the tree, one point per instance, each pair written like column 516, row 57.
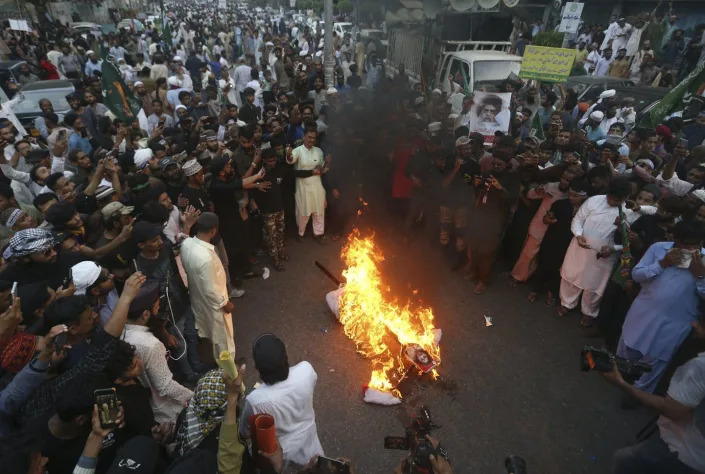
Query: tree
column 344, row 6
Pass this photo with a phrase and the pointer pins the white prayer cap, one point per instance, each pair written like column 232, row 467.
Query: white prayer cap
column 89, row 52
column 191, row 167
column 174, row 81
column 142, row 156
column 608, row 93
column 418, row 100
column 84, row 274
column 139, row 83
column 434, row 127
column 436, row 91
column 180, row 106
column 462, row 141
column 269, row 43
column 645, row 161
column 177, row 58
column 597, row 116
column 453, row 116
column 332, row 91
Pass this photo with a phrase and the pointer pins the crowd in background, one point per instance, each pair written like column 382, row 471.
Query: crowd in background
column 130, row 239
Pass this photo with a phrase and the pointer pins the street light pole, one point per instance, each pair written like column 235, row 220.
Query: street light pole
column 328, row 61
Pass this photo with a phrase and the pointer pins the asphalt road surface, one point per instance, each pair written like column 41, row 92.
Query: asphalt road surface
column 513, row 388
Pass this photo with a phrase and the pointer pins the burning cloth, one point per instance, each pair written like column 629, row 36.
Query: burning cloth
column 383, row 330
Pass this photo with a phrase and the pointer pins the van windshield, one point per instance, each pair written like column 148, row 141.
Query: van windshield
column 499, row 70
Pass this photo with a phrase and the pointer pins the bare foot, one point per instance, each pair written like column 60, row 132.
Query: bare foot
column 561, row 311
column 480, row 288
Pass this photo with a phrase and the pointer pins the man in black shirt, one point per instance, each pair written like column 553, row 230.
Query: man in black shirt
column 271, row 205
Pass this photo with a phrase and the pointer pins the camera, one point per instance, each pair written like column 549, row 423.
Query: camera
column 416, row 443
column 594, row 358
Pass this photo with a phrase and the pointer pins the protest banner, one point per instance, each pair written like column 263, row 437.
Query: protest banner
column 570, row 19
column 490, row 114
column 547, row 64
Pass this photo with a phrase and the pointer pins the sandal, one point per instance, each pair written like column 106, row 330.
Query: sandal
column 480, row 288
column 532, row 296
column 468, row 275
column 561, row 311
column 587, row 322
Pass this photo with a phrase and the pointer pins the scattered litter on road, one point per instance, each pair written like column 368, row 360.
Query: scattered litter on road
column 324, row 330
column 488, row 321
column 331, row 370
column 265, row 273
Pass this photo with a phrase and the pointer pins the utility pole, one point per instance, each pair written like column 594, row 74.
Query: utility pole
column 328, row 61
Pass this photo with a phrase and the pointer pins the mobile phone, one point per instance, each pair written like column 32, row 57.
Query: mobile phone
column 62, row 134
column 107, row 403
column 326, row 465
column 69, row 279
column 396, row 442
column 60, row 342
column 13, row 292
column 683, row 142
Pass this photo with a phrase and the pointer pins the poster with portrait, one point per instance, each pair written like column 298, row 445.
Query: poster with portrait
column 490, row 114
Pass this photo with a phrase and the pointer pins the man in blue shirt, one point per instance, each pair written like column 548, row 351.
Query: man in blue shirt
column 79, row 137
column 672, row 278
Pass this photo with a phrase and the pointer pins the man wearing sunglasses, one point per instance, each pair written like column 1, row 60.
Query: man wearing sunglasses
column 32, row 257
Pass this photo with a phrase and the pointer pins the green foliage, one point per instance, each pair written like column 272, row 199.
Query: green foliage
column 344, row 6
column 371, row 11
column 552, row 39
column 315, row 5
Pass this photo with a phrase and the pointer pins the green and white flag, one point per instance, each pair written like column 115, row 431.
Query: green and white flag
column 673, row 101
column 117, row 97
column 537, row 129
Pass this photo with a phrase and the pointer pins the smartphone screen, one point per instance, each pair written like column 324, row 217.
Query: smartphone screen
column 107, row 407
column 395, row 442
column 326, row 465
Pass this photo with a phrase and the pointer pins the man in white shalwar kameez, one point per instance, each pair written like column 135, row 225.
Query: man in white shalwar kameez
column 286, row 393
column 310, row 195
column 621, row 35
column 582, row 272
column 207, row 285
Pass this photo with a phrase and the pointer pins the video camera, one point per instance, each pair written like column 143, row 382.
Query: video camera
column 416, row 443
column 594, row 358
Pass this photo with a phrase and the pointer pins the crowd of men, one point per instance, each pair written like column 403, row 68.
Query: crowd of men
column 126, row 242
column 650, row 48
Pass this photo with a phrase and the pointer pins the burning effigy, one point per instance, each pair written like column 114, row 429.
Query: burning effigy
column 394, row 337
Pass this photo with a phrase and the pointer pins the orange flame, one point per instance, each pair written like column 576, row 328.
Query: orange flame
column 369, row 319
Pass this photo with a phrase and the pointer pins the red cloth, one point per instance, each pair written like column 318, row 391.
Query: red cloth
column 50, row 69
column 401, row 184
column 18, row 352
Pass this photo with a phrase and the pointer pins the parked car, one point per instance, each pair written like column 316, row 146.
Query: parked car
column 589, row 88
column 85, row 27
column 11, row 70
column 645, row 98
column 56, row 91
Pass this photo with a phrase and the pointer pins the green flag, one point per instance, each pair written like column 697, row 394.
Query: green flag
column 466, row 86
column 537, row 128
column 166, row 32
column 118, row 98
column 673, row 101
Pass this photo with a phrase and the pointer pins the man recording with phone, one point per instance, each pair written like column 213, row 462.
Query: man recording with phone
column 680, row 444
column 672, row 278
